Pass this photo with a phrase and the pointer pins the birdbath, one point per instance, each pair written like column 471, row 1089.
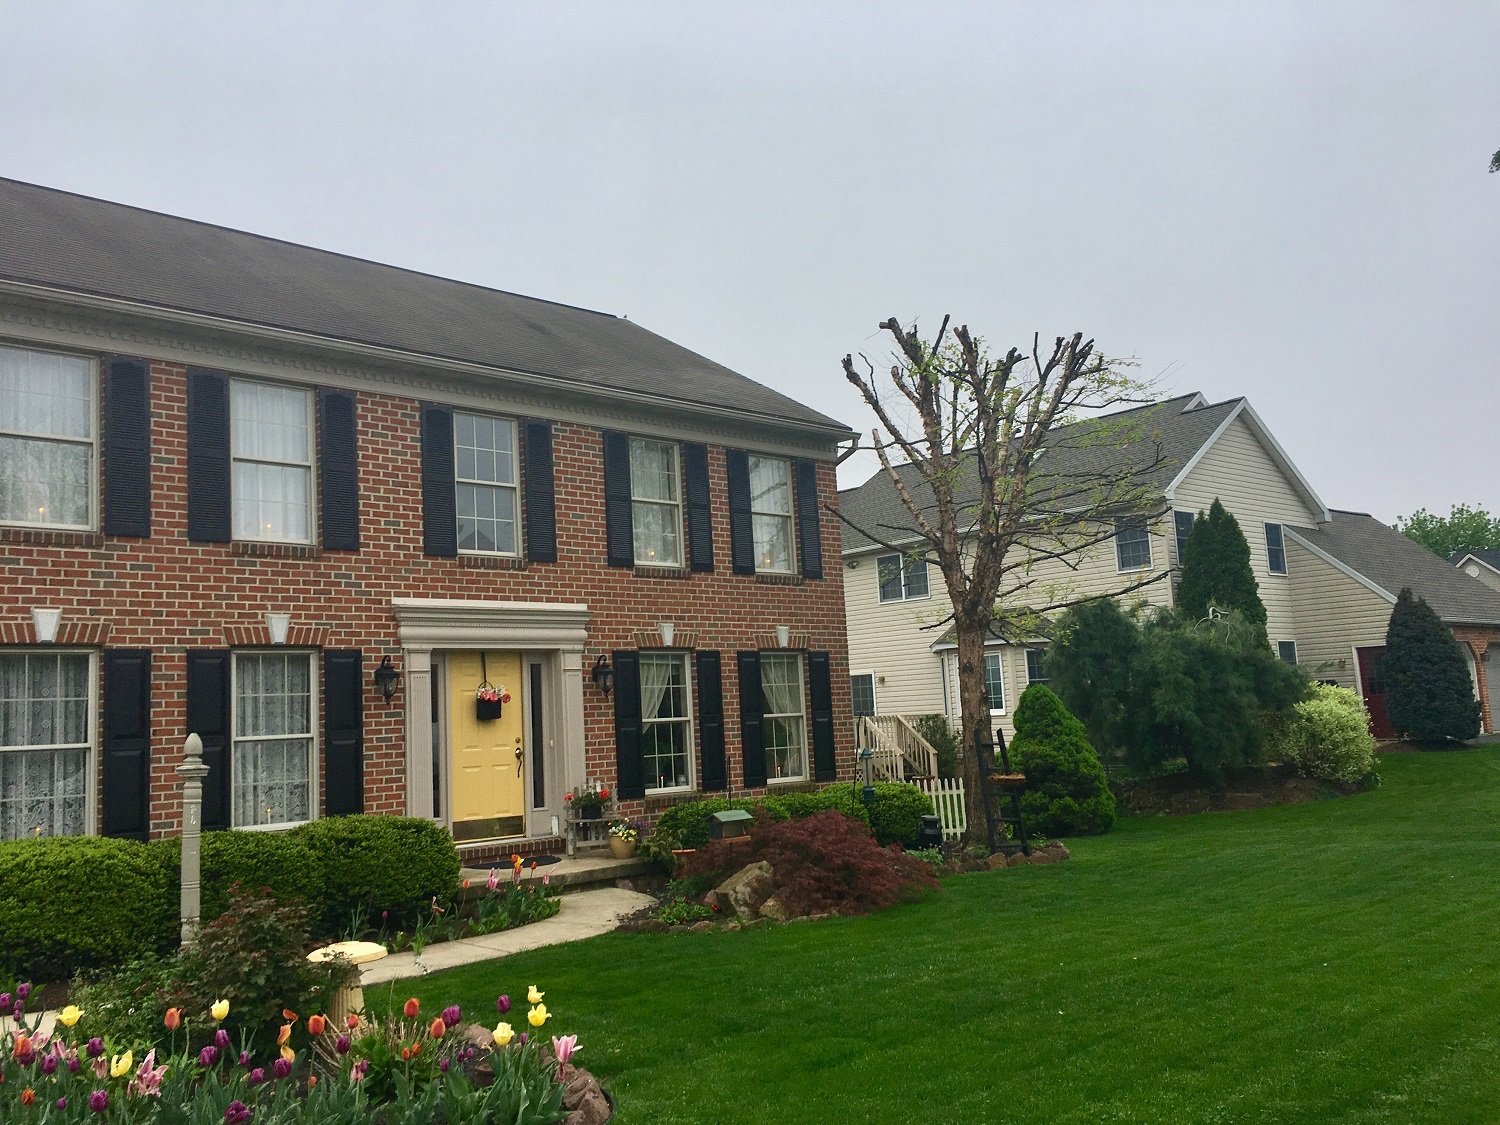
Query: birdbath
column 350, row 999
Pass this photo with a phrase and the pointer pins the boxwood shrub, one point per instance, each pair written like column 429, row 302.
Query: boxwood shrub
column 370, row 864
column 74, row 902
column 894, row 818
column 274, row 861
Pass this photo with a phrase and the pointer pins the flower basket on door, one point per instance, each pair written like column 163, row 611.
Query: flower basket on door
column 489, row 699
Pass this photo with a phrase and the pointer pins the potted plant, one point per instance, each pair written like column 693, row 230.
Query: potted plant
column 588, row 801
column 625, row 836
column 488, row 700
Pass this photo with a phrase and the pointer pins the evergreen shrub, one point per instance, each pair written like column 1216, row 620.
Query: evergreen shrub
column 1327, row 737
column 1430, row 697
column 1067, row 792
column 371, row 864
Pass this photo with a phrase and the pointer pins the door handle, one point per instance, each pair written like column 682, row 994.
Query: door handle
column 519, row 755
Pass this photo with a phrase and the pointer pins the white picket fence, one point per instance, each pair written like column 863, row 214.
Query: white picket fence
column 947, row 796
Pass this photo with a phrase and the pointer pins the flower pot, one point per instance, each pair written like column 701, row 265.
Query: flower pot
column 620, row 848
column 593, row 811
column 1009, row 782
column 486, row 710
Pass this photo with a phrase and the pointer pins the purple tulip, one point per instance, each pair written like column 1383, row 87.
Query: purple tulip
column 451, row 1016
column 255, row 1077
column 341, row 1044
column 280, row 1068
column 4, row 999
column 49, row 1064
column 244, row 1059
column 19, row 1010
column 443, row 1065
column 521, row 1039
column 26, row 1057
column 221, row 1039
column 62, row 1103
column 74, row 1066
column 502, row 1005
column 95, row 1047
column 99, row 1101
column 23, row 991
column 208, row 1056
column 237, row 1114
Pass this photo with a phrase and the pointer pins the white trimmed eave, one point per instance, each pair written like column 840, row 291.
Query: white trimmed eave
column 1343, row 567
column 463, row 623
column 1272, row 446
column 1477, row 561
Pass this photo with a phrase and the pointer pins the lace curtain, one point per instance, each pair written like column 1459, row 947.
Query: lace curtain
column 44, row 753
column 272, row 738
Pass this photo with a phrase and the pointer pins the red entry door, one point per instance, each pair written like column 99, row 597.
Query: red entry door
column 1372, row 682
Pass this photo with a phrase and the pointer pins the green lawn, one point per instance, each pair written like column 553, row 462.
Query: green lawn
column 1337, row 961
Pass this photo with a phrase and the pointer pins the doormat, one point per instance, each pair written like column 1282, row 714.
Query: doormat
column 539, row 860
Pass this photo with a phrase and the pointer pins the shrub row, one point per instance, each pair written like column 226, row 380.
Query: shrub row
column 77, row 901
column 894, row 818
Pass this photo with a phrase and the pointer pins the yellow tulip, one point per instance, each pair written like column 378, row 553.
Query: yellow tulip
column 504, row 1034
column 70, row 1015
column 533, row 996
column 121, row 1064
column 220, row 1009
column 538, row 1015
column 289, row 1054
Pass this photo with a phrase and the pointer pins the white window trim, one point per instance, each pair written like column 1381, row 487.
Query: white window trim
column 676, row 505
column 1296, row 657
column 1150, row 554
column 91, row 747
column 687, row 720
column 999, row 654
column 514, row 489
column 789, row 779
column 1178, row 543
column 315, row 751
column 1266, row 539
column 311, row 464
column 92, row 441
column 874, row 691
column 903, row 562
column 1042, row 654
column 790, row 517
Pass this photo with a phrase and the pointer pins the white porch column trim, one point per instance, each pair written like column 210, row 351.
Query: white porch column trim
column 457, row 623
column 418, row 674
column 572, row 718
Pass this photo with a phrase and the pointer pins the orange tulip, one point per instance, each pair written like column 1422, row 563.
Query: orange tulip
column 437, row 1028
column 288, row 1054
column 405, row 1054
column 283, row 1035
column 28, row 1096
column 288, row 1015
column 316, row 1025
column 173, row 1019
column 351, row 1021
column 312, row 1080
column 411, row 1008
column 21, row 1046
column 416, row 1047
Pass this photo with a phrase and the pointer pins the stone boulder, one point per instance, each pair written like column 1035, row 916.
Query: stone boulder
column 584, row 1099
column 745, row 892
column 774, row 910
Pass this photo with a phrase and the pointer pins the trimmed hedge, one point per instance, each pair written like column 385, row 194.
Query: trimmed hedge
column 377, row 863
column 73, row 902
column 274, row 861
column 894, row 819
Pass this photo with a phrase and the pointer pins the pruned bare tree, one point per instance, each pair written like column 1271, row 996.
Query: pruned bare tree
column 1007, row 481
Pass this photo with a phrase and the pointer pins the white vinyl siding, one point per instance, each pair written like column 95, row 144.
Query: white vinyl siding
column 274, row 755
column 889, row 640
column 656, row 503
column 1333, row 615
column 48, row 439
column 485, row 484
column 272, row 449
column 771, row 514
column 46, row 743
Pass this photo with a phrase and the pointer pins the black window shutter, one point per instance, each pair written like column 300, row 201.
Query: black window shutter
column 127, row 447
column 208, row 718
column 712, row 773
column 741, row 527
column 619, row 524
column 208, row 455
column 338, row 470
column 541, row 513
column 630, row 780
column 752, row 708
column 343, row 732
column 439, row 514
column 124, row 789
column 809, row 538
column 820, row 695
column 700, row 521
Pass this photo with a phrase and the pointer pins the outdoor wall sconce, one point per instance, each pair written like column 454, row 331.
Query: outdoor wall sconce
column 45, row 622
column 667, row 630
column 386, row 679
column 604, row 675
column 783, row 636
column 278, row 624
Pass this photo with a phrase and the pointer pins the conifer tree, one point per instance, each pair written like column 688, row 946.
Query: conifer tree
column 1067, row 793
column 1430, row 697
column 1216, row 569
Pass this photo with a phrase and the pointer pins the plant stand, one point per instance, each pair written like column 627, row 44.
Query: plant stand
column 349, row 1000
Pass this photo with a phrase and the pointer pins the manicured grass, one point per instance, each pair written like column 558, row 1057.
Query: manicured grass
column 1338, row 961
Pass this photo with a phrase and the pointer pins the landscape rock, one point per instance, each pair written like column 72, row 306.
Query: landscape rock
column 773, row 910
column 584, row 1097
column 1018, row 858
column 999, row 859
column 744, row 892
column 703, row 927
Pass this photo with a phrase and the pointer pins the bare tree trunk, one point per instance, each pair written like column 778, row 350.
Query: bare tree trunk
column 974, row 713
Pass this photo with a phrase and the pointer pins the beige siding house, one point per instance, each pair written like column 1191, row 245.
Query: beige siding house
column 1328, row 579
column 1483, row 565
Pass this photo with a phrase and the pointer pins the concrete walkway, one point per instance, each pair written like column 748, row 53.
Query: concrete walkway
column 584, row 914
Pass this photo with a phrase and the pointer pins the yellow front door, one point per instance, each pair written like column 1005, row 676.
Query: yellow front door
column 488, row 791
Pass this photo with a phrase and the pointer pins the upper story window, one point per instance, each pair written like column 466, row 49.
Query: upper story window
column 994, row 679
column 274, row 741
column 45, row 743
column 271, row 446
column 1132, row 543
column 1036, row 668
column 771, row 514
column 1287, row 650
column 655, row 502
column 1275, row 549
column 666, row 721
column 1182, row 523
column 48, row 433
column 901, row 579
column 485, row 483
column 784, row 719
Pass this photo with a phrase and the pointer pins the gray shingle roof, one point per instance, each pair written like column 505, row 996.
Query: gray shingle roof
column 1490, row 556
column 1391, row 560
column 85, row 245
column 876, row 507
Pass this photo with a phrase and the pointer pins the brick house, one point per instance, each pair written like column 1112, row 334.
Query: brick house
column 239, row 475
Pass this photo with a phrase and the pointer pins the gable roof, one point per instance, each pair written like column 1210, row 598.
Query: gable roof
column 1489, row 556
column 1182, row 426
column 56, row 240
column 1385, row 561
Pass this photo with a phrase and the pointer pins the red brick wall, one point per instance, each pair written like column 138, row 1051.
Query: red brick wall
column 1478, row 639
column 167, row 594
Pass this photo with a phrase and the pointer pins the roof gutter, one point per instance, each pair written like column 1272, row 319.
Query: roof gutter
column 169, row 315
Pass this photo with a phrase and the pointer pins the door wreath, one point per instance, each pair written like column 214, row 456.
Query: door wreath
column 489, row 698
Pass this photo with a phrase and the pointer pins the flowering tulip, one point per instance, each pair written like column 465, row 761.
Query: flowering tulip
column 533, row 996
column 406, row 1054
column 22, row 1045
column 351, row 1021
column 219, row 1010
column 538, row 1015
column 522, row 1038
column 465, row 884
column 238, row 1113
column 221, row 1039
column 564, row 1047
column 99, row 1101
column 312, row 1080
column 504, row 1034
column 49, row 1064
column 281, row 1067
column 255, row 1077
column 95, row 1047
column 443, row 1065
column 316, row 1025
column 341, row 1044
column 452, row 1014
column 437, row 1028
column 23, row 991
column 502, row 1004
column 411, row 1008
column 288, row 1015
column 121, row 1064
column 494, row 880
column 62, row 1103
column 147, row 1080
column 4, row 999
column 208, row 1056
column 28, row 1096
column 173, row 1019
column 70, row 1015
column 244, row 1059
column 283, row 1035
column 357, row 1071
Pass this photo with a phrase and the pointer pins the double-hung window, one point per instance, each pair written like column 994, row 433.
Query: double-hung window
column 274, row 745
column 901, row 579
column 485, row 472
column 48, row 425
column 655, row 503
column 271, row 447
column 1287, row 651
column 1132, row 544
column 862, row 693
column 771, row 514
column 45, row 742
column 1182, row 523
column 784, row 718
column 666, row 721
column 1275, row 549
column 994, row 680
column 1036, row 669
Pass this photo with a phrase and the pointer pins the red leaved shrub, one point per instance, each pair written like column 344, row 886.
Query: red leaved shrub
column 824, row 863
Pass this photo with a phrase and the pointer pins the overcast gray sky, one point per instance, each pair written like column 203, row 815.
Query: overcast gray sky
column 1285, row 201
